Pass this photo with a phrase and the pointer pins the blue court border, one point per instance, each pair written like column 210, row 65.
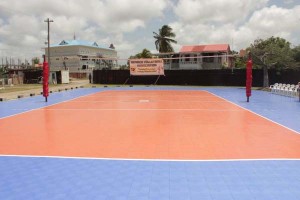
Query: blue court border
column 67, row 178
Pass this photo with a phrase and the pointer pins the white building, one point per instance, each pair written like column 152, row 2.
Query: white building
column 80, row 56
column 213, row 56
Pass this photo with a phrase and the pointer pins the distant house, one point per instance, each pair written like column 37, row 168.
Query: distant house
column 81, row 57
column 213, row 56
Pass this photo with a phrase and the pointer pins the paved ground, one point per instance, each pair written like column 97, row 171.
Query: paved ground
column 27, row 90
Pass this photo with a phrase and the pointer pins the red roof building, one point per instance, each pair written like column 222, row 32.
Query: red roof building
column 214, row 56
column 205, row 48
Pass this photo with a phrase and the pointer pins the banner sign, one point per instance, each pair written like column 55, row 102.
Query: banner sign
column 141, row 67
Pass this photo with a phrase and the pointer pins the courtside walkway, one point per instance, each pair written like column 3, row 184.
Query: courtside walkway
column 37, row 91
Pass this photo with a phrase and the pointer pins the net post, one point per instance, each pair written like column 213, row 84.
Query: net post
column 299, row 90
column 45, row 79
column 249, row 76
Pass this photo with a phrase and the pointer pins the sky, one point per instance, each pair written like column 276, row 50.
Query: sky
column 129, row 24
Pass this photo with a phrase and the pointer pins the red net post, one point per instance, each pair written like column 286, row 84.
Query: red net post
column 249, row 77
column 45, row 80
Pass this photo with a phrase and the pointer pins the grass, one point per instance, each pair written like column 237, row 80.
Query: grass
column 16, row 88
column 25, row 87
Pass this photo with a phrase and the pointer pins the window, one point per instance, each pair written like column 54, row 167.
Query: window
column 195, row 57
column 208, row 57
column 176, row 60
column 219, row 59
column 187, row 57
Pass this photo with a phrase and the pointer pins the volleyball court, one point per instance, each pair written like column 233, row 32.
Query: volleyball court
column 150, row 143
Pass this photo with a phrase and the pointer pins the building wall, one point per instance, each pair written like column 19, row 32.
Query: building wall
column 190, row 61
column 81, row 59
column 195, row 61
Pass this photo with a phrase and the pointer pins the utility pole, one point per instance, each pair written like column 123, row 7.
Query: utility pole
column 46, row 66
column 48, row 23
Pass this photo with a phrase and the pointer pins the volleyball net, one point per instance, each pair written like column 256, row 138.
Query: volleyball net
column 169, row 62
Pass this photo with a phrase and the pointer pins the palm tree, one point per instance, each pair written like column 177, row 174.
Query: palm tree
column 163, row 39
column 144, row 54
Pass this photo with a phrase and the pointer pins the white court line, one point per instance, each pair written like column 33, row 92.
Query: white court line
column 150, row 160
column 255, row 113
column 144, row 101
column 144, row 109
column 160, row 95
column 131, row 101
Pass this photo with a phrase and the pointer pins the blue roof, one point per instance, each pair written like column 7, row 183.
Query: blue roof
column 79, row 43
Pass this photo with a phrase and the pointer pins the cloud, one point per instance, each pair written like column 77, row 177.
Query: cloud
column 188, row 34
column 271, row 21
column 192, row 11
column 260, row 23
column 275, row 20
column 288, row 1
column 131, row 14
column 20, row 36
column 128, row 24
column 22, row 21
column 111, row 16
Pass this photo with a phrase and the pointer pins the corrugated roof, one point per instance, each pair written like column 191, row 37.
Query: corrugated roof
column 205, row 48
column 79, row 43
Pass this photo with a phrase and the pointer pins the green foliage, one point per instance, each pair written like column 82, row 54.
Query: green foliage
column 240, row 62
column 144, row 54
column 124, row 67
column 163, row 39
column 1, row 71
column 274, row 51
column 296, row 53
column 36, row 61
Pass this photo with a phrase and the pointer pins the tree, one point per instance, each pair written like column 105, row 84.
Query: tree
column 296, row 54
column 144, row 54
column 36, row 61
column 1, row 71
column 240, row 59
column 272, row 52
column 124, row 67
column 240, row 62
column 163, row 39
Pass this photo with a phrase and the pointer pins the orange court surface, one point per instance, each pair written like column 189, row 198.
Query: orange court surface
column 186, row 125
